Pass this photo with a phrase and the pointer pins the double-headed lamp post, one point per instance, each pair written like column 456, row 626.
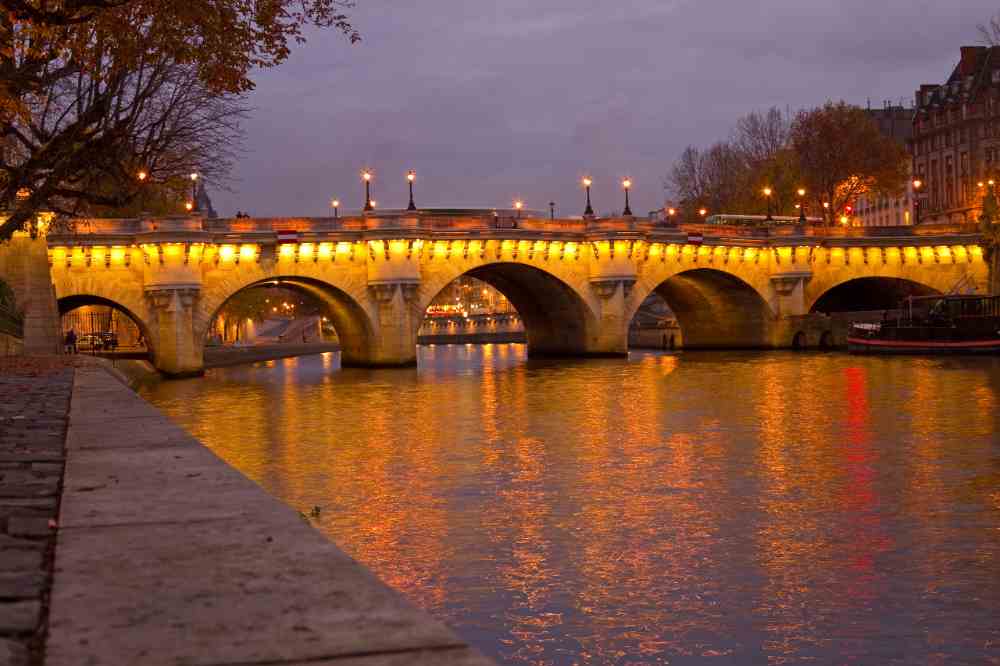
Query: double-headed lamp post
column 194, row 191
column 587, row 182
column 366, row 176
column 627, row 185
column 917, row 185
column 411, row 176
column 767, row 195
column 802, row 205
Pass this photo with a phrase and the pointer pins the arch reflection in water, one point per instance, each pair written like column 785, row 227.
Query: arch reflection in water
column 760, row 508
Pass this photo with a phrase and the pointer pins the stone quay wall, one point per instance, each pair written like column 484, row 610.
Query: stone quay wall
column 161, row 553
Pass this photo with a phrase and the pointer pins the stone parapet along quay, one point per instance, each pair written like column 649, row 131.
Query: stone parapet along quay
column 167, row 555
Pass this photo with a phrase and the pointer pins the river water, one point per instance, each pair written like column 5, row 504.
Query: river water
column 703, row 508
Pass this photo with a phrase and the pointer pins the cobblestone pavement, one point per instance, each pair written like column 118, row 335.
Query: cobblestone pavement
column 34, row 405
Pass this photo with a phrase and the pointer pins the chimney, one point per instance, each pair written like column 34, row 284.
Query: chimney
column 970, row 58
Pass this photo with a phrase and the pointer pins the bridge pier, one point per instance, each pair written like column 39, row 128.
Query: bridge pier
column 611, row 336
column 177, row 351
column 396, row 325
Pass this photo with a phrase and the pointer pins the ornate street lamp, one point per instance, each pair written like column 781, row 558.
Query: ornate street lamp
column 411, row 176
column 518, row 205
column 627, row 185
column 335, row 204
column 194, row 191
column 767, row 195
column 802, row 205
column 917, row 185
column 366, row 176
column 587, row 182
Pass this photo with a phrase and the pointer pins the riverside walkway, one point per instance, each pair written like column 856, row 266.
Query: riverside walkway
column 167, row 555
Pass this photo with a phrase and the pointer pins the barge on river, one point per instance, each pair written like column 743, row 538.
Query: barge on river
column 932, row 325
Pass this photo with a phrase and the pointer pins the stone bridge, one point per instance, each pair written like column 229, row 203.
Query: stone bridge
column 576, row 283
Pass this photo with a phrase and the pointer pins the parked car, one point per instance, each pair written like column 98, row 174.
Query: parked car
column 102, row 341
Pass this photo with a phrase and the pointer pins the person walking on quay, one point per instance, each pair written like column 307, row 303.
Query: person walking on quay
column 70, row 341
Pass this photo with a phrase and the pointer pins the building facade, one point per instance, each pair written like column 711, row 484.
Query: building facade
column 877, row 210
column 956, row 138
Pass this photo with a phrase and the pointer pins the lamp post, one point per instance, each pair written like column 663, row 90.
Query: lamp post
column 671, row 214
column 802, row 205
column 552, row 210
column 917, row 185
column 194, row 191
column 703, row 212
column 141, row 177
column 411, row 176
column 518, row 205
column 627, row 185
column 366, row 176
column 767, row 195
column 587, row 182
column 335, row 204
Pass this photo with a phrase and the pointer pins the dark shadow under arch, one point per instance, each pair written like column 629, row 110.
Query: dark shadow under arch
column 557, row 322
column 716, row 310
column 349, row 319
column 69, row 303
column 869, row 293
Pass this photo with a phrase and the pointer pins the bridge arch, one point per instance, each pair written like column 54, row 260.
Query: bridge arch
column 857, row 294
column 714, row 308
column 558, row 320
column 67, row 304
column 354, row 326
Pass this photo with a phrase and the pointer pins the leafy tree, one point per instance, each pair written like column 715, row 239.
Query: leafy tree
column 730, row 176
column 842, row 155
column 112, row 79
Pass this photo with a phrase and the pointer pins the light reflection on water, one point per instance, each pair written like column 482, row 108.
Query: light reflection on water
column 721, row 508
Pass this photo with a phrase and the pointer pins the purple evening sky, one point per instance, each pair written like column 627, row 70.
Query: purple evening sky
column 520, row 98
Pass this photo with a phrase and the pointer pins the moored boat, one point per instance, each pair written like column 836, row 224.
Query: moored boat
column 932, row 325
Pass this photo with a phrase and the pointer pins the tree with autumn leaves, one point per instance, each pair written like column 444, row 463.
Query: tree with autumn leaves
column 835, row 152
column 92, row 92
column 841, row 155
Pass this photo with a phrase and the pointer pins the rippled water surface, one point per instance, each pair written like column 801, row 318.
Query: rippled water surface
column 720, row 508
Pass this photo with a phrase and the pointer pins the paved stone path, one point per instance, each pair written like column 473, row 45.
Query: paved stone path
column 167, row 555
column 34, row 402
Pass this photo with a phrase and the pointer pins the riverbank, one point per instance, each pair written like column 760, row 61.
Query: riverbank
column 165, row 554
column 220, row 357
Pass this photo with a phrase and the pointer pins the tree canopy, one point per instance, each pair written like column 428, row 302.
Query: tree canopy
column 93, row 91
column 835, row 152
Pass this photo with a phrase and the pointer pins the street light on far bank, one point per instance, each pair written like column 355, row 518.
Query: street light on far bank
column 627, row 185
column 802, row 205
column 703, row 212
column 767, row 195
column 335, row 204
column 518, row 205
column 917, row 185
column 194, row 191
